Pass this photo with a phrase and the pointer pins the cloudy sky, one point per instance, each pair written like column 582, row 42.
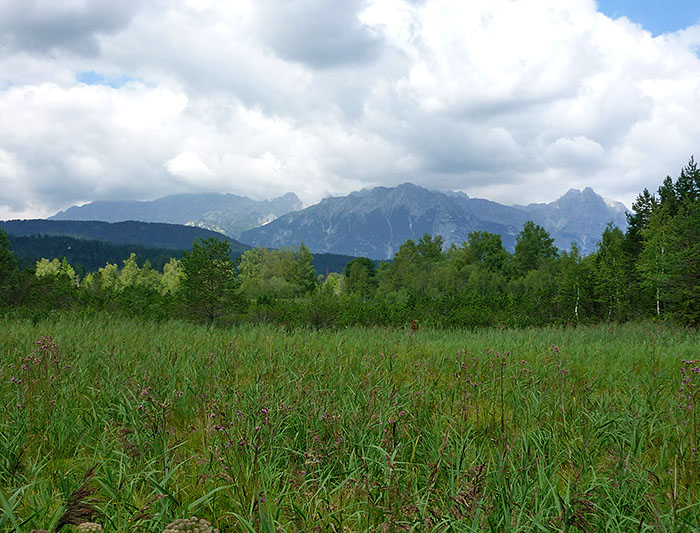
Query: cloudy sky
column 513, row 100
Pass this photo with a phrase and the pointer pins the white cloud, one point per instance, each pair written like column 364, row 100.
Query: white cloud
column 516, row 101
column 189, row 165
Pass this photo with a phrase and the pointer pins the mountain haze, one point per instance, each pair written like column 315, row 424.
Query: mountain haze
column 375, row 222
column 229, row 214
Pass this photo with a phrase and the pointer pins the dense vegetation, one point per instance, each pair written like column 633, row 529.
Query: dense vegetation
column 651, row 270
column 261, row 428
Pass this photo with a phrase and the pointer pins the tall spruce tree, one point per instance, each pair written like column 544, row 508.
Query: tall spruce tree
column 8, row 269
column 209, row 282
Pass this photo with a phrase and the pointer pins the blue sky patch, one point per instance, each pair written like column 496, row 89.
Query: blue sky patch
column 91, row 77
column 657, row 16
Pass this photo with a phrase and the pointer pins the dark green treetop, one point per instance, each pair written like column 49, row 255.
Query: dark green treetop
column 209, row 281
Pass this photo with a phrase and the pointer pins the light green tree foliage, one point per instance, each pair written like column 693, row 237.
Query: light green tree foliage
column 611, row 272
column 656, row 258
column 334, row 284
column 209, row 283
column 44, row 267
column 106, row 278
column 574, row 281
column 172, row 276
column 109, row 276
column 284, row 273
column 133, row 276
column 129, row 274
column 8, row 268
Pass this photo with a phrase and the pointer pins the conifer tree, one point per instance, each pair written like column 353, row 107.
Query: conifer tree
column 8, row 269
column 209, row 282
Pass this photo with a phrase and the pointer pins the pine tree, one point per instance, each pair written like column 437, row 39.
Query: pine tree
column 209, row 282
column 8, row 269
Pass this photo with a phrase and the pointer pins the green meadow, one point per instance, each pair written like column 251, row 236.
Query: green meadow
column 262, row 428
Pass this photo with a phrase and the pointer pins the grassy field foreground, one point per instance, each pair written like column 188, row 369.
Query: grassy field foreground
column 262, row 429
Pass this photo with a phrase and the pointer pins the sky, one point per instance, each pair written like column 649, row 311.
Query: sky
column 517, row 101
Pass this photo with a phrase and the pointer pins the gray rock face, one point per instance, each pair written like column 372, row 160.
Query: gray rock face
column 374, row 223
column 225, row 213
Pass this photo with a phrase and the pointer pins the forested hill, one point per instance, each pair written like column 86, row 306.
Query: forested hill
column 88, row 255
column 147, row 234
column 83, row 254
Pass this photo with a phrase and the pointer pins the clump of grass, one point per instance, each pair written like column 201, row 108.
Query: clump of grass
column 81, row 506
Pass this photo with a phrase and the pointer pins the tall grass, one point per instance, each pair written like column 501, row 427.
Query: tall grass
column 260, row 428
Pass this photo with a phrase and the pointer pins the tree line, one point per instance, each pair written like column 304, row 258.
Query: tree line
column 650, row 270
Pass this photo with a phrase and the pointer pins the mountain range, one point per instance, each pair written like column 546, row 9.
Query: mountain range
column 375, row 222
column 371, row 222
column 229, row 214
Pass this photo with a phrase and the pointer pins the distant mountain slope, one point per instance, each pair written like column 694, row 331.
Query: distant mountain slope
column 225, row 213
column 376, row 222
column 578, row 216
column 152, row 235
